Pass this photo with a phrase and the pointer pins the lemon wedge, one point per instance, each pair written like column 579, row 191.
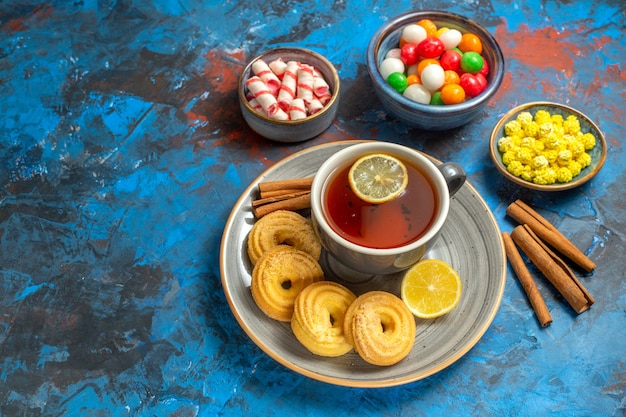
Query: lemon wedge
column 431, row 288
column 378, row 178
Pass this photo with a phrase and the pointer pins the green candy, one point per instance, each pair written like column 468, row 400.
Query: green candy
column 472, row 62
column 436, row 100
column 397, row 81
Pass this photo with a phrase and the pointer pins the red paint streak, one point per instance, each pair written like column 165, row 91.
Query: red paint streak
column 224, row 70
column 551, row 60
column 221, row 112
column 614, row 71
column 38, row 14
column 14, row 25
column 617, row 76
column 551, row 90
column 195, row 118
column 505, row 87
column 540, row 48
column 221, row 75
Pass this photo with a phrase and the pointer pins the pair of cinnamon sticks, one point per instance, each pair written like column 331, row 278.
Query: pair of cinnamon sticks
column 290, row 194
column 536, row 236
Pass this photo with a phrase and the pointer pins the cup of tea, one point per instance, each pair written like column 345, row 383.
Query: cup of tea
column 379, row 239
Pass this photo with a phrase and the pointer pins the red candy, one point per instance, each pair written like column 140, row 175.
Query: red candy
column 450, row 60
column 485, row 70
column 409, row 54
column 473, row 84
column 430, row 48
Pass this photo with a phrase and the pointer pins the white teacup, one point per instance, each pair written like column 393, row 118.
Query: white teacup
column 444, row 180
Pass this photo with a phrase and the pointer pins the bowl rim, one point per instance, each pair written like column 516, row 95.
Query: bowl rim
column 576, row 181
column 389, row 27
column 290, row 49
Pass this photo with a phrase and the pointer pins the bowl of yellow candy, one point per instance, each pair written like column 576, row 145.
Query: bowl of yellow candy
column 547, row 146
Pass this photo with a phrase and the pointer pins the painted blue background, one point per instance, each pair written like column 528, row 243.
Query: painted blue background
column 122, row 152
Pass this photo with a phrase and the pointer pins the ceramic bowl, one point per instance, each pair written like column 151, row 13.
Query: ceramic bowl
column 425, row 116
column 291, row 130
column 597, row 153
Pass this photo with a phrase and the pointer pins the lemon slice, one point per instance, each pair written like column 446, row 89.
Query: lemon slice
column 378, row 178
column 431, row 288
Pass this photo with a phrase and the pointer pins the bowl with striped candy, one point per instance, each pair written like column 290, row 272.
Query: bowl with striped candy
column 289, row 94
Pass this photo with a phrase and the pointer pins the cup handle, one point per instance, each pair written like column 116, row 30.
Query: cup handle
column 454, row 175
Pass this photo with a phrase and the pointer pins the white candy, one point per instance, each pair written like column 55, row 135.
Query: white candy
column 314, row 106
column 287, row 90
column 413, row 33
column 394, row 53
column 304, row 89
column 450, row 38
column 280, row 115
column 264, row 72
column 278, row 66
column 391, row 65
column 433, row 77
column 412, row 70
column 297, row 109
column 263, row 95
column 320, row 86
column 417, row 92
column 300, row 91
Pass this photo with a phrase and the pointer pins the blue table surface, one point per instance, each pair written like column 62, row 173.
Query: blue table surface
column 123, row 151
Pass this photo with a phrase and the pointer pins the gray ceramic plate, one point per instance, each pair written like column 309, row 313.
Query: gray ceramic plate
column 470, row 241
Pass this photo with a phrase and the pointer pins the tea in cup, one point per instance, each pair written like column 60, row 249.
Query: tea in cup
column 391, row 236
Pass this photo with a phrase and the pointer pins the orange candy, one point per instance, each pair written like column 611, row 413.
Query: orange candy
column 452, row 94
column 430, row 26
column 413, row 79
column 426, row 62
column 451, row 77
column 470, row 43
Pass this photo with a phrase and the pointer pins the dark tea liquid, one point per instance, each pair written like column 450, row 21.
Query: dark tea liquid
column 388, row 225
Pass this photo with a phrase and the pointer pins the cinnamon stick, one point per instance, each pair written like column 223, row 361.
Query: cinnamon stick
column 292, row 202
column 528, row 284
column 524, row 214
column 277, row 198
column 290, row 194
column 280, row 193
column 284, row 186
column 554, row 269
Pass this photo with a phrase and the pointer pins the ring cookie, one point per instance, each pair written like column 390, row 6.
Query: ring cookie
column 282, row 227
column 318, row 316
column 279, row 276
column 380, row 327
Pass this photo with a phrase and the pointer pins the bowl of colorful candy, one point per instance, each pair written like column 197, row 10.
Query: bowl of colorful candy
column 434, row 70
column 547, row 146
column 289, row 94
